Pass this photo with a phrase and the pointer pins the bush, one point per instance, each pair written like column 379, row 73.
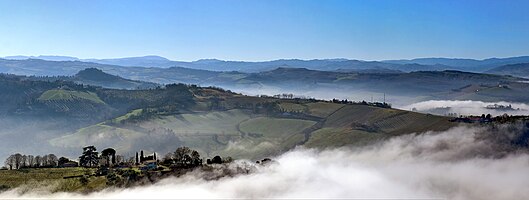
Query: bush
column 4, row 188
column 84, row 180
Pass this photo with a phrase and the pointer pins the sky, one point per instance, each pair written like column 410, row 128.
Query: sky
column 252, row 30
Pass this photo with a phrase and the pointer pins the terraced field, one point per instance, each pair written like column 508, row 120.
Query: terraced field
column 359, row 125
column 322, row 109
column 60, row 94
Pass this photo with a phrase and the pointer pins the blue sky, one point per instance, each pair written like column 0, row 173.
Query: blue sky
column 265, row 29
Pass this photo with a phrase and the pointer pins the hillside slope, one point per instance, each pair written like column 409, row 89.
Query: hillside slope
column 519, row 70
column 209, row 119
column 242, row 132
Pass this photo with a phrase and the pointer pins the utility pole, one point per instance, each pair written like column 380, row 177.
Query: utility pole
column 384, row 98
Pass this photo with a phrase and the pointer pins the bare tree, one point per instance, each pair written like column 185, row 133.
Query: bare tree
column 44, row 161
column 18, row 160
column 10, row 161
column 31, row 160
column 38, row 161
column 52, row 160
column 24, row 160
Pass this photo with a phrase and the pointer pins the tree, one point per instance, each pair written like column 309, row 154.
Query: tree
column 90, row 157
column 195, row 157
column 18, row 160
column 180, row 155
column 24, row 160
column 10, row 161
column 63, row 161
column 51, row 160
column 31, row 161
column 216, row 160
column 107, row 154
column 38, row 161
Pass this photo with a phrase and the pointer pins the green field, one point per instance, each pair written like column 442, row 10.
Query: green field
column 60, row 94
column 51, row 179
column 132, row 113
column 273, row 127
column 293, row 107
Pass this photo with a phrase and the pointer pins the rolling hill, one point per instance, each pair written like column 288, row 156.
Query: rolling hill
column 401, row 87
column 243, row 133
column 96, row 77
column 520, row 70
column 211, row 120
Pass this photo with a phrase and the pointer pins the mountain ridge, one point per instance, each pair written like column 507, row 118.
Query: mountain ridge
column 408, row 65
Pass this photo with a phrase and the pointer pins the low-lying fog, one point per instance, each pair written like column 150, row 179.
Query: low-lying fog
column 461, row 163
column 404, row 102
column 329, row 94
column 468, row 107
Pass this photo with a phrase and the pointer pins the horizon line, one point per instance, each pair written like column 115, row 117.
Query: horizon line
column 75, row 58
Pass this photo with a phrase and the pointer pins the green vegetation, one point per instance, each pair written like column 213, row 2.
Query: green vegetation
column 323, row 109
column 69, row 95
column 273, row 127
column 211, row 120
column 128, row 116
column 292, row 107
column 52, row 179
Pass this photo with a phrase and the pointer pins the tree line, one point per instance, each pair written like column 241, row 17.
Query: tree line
column 18, row 161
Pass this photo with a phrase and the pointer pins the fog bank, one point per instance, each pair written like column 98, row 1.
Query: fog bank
column 468, row 107
column 461, row 163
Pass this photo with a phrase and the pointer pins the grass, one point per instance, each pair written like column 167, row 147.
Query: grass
column 59, row 94
column 275, row 127
column 322, row 109
column 241, row 134
column 360, row 125
column 51, row 179
column 201, row 124
column 336, row 137
column 127, row 116
column 293, row 107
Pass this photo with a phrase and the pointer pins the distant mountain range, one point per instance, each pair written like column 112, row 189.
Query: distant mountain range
column 465, row 64
column 355, row 84
column 420, row 64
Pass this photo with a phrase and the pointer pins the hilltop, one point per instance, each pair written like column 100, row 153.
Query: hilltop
column 96, row 77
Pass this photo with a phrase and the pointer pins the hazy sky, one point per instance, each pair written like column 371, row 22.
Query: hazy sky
column 265, row 29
